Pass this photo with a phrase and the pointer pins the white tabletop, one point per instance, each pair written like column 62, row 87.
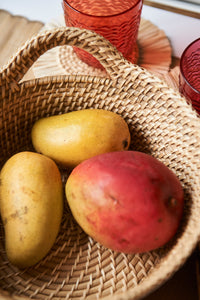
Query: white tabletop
column 181, row 30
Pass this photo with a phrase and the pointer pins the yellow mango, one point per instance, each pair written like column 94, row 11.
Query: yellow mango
column 31, row 206
column 76, row 136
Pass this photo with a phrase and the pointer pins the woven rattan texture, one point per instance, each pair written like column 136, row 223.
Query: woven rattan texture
column 161, row 123
column 154, row 54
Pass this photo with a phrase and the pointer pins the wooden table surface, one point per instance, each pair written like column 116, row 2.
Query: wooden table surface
column 15, row 30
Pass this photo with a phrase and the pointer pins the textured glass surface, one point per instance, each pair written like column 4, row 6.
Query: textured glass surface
column 118, row 21
column 190, row 74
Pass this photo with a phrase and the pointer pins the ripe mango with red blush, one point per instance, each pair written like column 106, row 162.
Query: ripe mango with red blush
column 127, row 201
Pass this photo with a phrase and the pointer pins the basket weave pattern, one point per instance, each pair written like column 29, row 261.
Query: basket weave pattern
column 161, row 123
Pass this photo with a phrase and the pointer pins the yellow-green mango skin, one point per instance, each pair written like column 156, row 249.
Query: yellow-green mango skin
column 76, row 136
column 31, row 206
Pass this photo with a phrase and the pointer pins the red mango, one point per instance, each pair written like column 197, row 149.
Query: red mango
column 127, row 201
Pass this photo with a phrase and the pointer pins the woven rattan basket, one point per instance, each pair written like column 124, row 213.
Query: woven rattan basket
column 161, row 123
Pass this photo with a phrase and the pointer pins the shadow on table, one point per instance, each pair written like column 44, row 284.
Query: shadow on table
column 182, row 286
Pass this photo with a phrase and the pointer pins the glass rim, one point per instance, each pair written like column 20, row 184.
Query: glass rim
column 181, row 65
column 96, row 16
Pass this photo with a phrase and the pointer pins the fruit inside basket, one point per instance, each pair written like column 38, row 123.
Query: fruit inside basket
column 161, row 123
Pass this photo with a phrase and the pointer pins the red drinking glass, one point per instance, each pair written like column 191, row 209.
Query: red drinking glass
column 116, row 20
column 189, row 78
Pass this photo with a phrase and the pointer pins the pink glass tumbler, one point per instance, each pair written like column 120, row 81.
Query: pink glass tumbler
column 189, row 78
column 116, row 20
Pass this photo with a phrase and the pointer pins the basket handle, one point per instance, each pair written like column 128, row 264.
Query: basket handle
column 99, row 47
